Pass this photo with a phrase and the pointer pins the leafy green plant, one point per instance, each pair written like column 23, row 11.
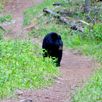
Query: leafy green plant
column 32, row 12
column 94, row 34
column 1, row 7
column 92, row 91
column 5, row 18
column 97, row 32
column 22, row 66
column 2, row 31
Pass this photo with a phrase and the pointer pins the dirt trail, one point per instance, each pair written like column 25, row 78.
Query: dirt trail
column 75, row 69
column 16, row 9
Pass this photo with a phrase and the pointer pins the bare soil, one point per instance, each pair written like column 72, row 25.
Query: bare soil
column 75, row 68
column 16, row 9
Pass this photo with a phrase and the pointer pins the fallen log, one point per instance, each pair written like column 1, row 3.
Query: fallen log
column 33, row 25
column 73, row 23
column 47, row 11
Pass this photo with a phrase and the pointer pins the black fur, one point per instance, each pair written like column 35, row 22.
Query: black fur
column 53, row 47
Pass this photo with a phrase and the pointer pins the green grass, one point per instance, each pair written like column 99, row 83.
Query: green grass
column 74, row 6
column 92, row 91
column 90, row 42
column 30, row 13
column 6, row 18
column 2, row 32
column 2, row 2
column 35, row 11
column 22, row 67
column 1, row 7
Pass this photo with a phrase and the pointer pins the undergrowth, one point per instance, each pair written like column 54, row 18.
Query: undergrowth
column 22, row 67
column 2, row 32
column 5, row 18
column 92, row 90
column 1, row 5
column 36, row 11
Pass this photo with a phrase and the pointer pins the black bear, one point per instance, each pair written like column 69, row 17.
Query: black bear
column 53, row 47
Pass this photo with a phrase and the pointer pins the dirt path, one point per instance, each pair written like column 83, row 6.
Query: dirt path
column 75, row 69
column 16, row 9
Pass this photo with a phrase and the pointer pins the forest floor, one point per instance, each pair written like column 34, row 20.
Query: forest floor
column 75, row 68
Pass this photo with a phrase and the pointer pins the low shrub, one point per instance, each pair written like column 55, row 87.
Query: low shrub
column 22, row 66
column 5, row 18
column 92, row 92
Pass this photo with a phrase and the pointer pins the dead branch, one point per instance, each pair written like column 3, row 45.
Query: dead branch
column 30, row 27
column 74, row 24
column 47, row 11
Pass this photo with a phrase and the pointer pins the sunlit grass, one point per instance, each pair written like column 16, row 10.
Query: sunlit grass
column 30, row 13
column 2, row 32
column 22, row 67
column 5, row 18
column 92, row 91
